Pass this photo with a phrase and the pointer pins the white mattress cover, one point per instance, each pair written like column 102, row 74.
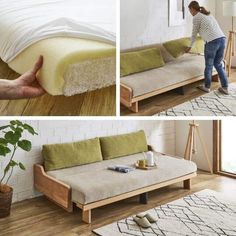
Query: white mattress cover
column 24, row 22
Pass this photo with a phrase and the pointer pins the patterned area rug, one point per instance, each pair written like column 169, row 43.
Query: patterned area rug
column 211, row 104
column 203, row 213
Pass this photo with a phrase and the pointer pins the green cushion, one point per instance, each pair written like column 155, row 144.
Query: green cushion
column 134, row 62
column 58, row 156
column 177, row 47
column 123, row 145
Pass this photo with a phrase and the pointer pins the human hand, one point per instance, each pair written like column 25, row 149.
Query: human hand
column 188, row 49
column 26, row 86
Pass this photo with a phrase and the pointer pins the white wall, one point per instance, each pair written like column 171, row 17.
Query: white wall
column 224, row 21
column 182, row 128
column 145, row 22
column 160, row 134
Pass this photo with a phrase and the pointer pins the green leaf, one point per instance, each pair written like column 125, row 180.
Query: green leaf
column 17, row 122
column 25, row 145
column 13, row 122
column 12, row 137
column 22, row 166
column 13, row 163
column 3, row 141
column 4, row 127
column 19, row 130
column 4, row 150
column 12, row 127
column 29, row 129
column 7, row 168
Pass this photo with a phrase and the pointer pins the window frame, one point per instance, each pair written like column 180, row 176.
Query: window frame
column 217, row 150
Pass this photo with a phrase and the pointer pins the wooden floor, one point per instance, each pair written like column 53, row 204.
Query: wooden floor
column 162, row 102
column 96, row 103
column 41, row 217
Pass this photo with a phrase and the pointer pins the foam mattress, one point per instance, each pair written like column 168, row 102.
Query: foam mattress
column 93, row 182
column 71, row 65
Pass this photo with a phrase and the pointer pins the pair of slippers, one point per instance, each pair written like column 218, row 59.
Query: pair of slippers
column 144, row 220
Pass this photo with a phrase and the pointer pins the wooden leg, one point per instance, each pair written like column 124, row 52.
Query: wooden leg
column 187, row 184
column 230, row 53
column 186, row 153
column 227, row 49
column 205, row 150
column 180, row 90
column 86, row 216
column 134, row 107
column 233, row 43
column 70, row 208
column 191, row 143
column 143, row 198
column 189, row 146
column 215, row 78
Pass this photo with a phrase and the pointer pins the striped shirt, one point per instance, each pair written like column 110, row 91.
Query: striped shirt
column 207, row 27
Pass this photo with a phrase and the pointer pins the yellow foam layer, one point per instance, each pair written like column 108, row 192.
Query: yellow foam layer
column 59, row 53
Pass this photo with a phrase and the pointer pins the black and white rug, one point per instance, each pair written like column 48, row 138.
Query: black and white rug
column 205, row 213
column 211, row 104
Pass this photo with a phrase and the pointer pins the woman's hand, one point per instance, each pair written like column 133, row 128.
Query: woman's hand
column 188, row 49
column 26, row 86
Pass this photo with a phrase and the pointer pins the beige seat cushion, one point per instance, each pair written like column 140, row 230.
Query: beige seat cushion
column 93, row 182
column 176, row 71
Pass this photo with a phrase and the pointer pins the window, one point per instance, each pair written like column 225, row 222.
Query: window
column 225, row 147
column 228, row 146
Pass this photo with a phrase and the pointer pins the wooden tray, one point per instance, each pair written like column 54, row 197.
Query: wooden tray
column 146, row 167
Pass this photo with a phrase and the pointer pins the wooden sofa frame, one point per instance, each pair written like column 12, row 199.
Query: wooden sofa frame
column 60, row 193
column 132, row 103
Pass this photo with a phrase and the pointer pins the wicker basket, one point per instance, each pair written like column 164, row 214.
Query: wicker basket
column 5, row 203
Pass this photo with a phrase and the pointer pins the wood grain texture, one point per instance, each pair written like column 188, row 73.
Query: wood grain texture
column 100, row 102
column 55, row 190
column 162, row 102
column 39, row 216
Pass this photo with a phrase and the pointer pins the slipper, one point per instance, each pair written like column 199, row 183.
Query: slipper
column 225, row 91
column 204, row 88
column 142, row 222
column 150, row 218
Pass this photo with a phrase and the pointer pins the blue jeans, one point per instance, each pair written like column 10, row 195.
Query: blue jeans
column 214, row 55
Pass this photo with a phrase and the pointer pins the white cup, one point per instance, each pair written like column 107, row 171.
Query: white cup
column 150, row 158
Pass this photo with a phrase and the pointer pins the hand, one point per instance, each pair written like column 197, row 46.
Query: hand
column 188, row 49
column 26, row 86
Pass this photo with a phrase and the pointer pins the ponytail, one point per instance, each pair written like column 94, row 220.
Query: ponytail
column 204, row 11
column 195, row 5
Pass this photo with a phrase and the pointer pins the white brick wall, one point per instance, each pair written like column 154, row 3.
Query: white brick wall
column 160, row 134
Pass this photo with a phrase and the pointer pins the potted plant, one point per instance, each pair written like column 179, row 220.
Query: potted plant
column 11, row 140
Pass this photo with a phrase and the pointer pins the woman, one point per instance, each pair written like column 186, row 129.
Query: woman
column 207, row 27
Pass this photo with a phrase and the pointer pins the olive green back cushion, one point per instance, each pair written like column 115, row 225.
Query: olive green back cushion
column 123, row 145
column 139, row 61
column 58, row 156
column 177, row 47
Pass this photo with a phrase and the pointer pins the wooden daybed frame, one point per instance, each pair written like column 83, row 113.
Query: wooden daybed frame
column 132, row 103
column 60, row 193
column 128, row 100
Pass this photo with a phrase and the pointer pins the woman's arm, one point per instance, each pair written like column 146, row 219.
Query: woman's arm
column 26, row 86
column 196, row 28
